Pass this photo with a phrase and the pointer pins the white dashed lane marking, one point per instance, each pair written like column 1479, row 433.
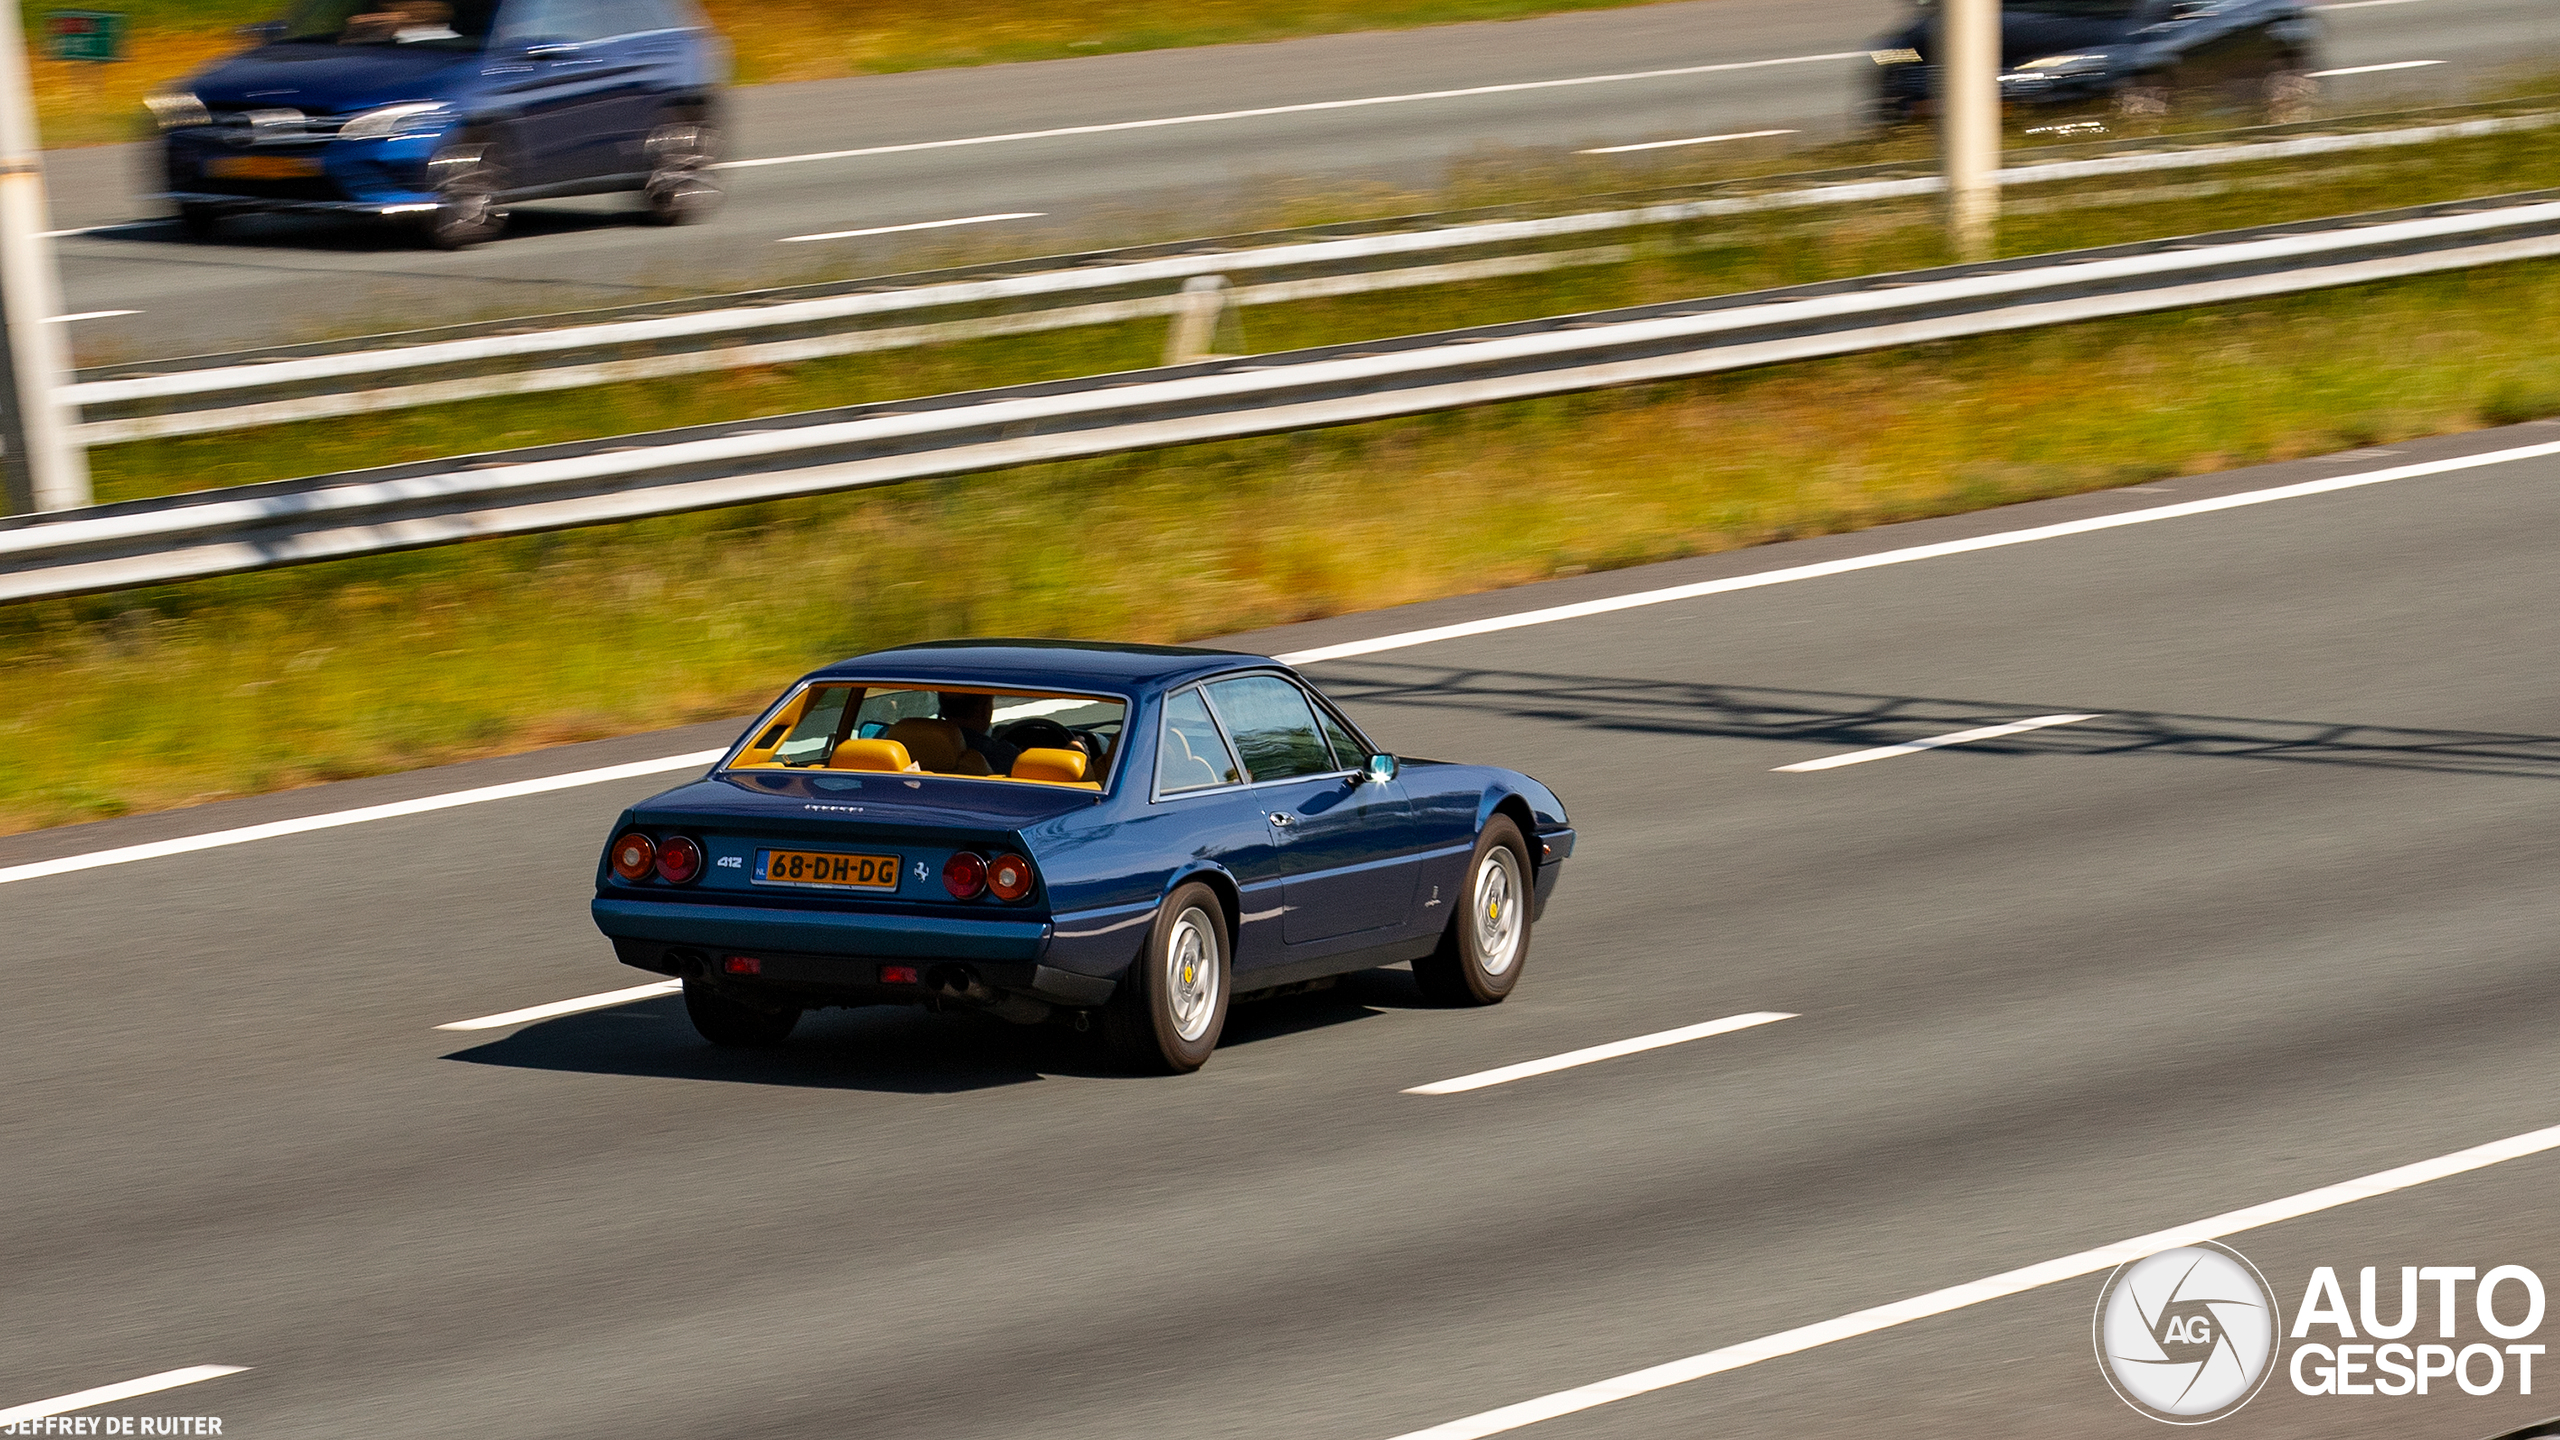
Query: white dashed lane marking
column 557, row 1008
column 1611, row 1051
column 1934, row 742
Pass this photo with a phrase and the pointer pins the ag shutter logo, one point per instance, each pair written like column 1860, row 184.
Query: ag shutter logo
column 2188, row 1335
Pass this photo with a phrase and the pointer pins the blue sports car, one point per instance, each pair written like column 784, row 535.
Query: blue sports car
column 1045, row 829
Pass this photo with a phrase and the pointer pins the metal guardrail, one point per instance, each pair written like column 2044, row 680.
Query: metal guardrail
column 219, row 393
column 403, row 507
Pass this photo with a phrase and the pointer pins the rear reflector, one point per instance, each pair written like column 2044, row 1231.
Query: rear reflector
column 742, row 965
column 897, row 975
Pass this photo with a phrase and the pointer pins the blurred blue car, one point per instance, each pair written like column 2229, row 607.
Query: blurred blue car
column 442, row 113
column 1048, row 829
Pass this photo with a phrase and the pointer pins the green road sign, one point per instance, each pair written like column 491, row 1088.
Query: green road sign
column 82, row 34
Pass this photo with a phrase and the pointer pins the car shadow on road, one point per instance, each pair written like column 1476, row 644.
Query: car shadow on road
column 1851, row 721
column 245, row 236
column 897, row 1049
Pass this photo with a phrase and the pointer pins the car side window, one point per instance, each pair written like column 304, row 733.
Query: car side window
column 1348, row 753
column 1191, row 755
column 1274, row 728
column 525, row 21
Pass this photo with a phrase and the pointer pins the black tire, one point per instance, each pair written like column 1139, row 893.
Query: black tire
column 726, row 1021
column 200, row 223
column 682, row 186
column 1486, row 946
column 1159, row 1022
column 467, row 179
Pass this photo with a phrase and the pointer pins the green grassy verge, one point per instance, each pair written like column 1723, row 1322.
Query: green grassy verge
column 167, row 697
column 86, row 104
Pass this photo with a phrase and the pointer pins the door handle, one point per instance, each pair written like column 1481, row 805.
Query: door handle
column 1283, row 819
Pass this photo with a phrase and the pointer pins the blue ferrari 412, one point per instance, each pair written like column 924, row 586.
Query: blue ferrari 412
column 1138, row 834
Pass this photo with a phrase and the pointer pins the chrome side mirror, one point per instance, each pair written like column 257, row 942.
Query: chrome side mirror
column 1379, row 770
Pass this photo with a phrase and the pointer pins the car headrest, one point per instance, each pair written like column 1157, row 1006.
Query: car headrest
column 935, row 744
column 1056, row 766
column 886, row 755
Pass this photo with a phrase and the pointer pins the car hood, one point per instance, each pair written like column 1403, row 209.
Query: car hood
column 331, row 79
column 922, row 800
column 2025, row 35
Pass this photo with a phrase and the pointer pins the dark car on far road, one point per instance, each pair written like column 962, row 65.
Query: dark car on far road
column 1036, row 830
column 2139, row 57
column 445, row 112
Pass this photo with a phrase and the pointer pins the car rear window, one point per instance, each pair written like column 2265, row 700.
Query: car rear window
column 1022, row 736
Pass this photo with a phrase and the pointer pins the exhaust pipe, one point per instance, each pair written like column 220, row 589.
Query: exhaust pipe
column 960, row 986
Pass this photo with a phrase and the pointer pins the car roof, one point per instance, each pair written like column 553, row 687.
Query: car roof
column 1064, row 664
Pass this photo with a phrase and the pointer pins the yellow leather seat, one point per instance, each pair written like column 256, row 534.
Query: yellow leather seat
column 1053, row 767
column 939, row 746
column 881, row 755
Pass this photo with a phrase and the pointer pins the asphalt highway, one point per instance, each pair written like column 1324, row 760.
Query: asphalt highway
column 2278, row 917
column 1690, row 70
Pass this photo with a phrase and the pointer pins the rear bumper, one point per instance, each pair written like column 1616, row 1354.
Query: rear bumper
column 834, row 958
column 267, row 203
column 852, row 934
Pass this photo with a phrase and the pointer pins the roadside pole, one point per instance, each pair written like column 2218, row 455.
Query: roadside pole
column 43, row 468
column 1969, row 122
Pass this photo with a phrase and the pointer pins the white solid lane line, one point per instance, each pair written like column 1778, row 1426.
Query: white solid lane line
column 1550, row 615
column 108, row 1394
column 1958, row 1297
column 1309, row 107
column 1934, row 742
column 126, row 855
column 1402, row 641
column 88, row 315
column 2372, row 69
column 1610, row 1051
column 1693, row 140
column 556, row 1008
column 919, row 225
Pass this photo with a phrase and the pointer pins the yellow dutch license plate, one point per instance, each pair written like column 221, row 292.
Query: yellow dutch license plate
column 262, row 167
column 813, row 867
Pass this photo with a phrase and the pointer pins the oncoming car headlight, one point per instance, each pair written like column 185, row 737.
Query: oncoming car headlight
column 404, row 119
column 176, row 110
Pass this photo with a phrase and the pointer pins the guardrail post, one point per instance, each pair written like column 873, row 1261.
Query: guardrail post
column 45, row 470
column 1969, row 123
column 1195, row 325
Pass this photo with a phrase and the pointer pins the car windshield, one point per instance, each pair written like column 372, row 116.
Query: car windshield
column 428, row 24
column 1029, row 736
column 2077, row 9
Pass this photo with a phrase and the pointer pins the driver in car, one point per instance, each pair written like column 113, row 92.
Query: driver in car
column 400, row 20
column 974, row 714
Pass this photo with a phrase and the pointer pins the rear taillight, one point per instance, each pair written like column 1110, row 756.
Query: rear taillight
column 964, row 875
column 1009, row 877
column 634, row 857
column 679, row 860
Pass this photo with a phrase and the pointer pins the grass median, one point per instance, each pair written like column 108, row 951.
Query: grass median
column 1723, row 256
column 188, row 693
